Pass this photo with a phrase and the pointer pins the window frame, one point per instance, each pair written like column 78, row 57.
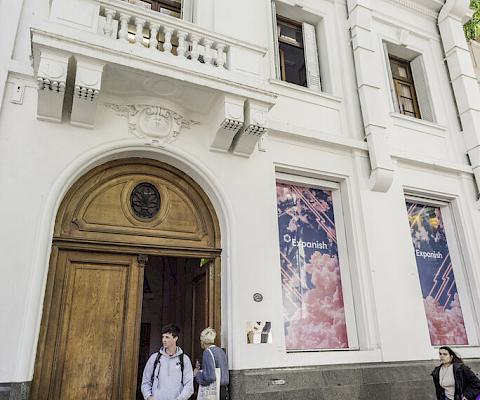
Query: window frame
column 343, row 253
column 168, row 4
column 281, row 54
column 451, row 227
column 310, row 25
column 183, row 8
column 397, row 81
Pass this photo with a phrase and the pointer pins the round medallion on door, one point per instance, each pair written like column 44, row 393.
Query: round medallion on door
column 145, row 201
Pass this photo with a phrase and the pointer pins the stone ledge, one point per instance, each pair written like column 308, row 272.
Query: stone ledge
column 402, row 380
column 14, row 391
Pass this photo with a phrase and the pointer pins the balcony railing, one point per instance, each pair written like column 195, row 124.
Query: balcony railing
column 162, row 34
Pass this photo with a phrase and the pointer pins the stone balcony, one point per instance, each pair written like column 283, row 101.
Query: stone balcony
column 97, row 45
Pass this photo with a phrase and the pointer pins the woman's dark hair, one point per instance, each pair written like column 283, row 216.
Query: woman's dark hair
column 456, row 358
column 173, row 329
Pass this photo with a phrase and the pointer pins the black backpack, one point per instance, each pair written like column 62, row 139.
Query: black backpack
column 157, row 361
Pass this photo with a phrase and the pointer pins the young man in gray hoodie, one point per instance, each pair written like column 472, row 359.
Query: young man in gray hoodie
column 168, row 374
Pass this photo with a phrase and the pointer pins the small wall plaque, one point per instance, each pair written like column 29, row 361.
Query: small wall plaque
column 257, row 297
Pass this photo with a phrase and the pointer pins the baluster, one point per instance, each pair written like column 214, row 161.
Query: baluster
column 139, row 32
column 154, row 28
column 108, row 28
column 123, row 32
column 194, row 53
column 167, row 45
column 220, row 58
column 182, row 48
column 207, row 56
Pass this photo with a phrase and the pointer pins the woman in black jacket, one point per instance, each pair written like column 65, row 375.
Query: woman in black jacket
column 453, row 379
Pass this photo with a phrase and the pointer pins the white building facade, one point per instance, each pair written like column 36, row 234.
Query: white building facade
column 319, row 159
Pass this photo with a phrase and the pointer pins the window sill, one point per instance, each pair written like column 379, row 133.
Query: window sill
column 305, row 94
column 416, row 124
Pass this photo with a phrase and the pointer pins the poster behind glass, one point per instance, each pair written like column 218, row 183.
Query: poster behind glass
column 311, row 285
column 437, row 280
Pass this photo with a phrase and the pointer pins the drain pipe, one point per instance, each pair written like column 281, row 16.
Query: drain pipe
column 462, row 77
column 372, row 103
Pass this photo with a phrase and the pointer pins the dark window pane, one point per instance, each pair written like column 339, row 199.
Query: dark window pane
column 290, row 33
column 292, row 61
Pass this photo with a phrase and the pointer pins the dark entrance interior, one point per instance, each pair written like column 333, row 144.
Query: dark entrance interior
column 175, row 290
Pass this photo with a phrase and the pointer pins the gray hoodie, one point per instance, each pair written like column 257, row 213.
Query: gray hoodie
column 167, row 383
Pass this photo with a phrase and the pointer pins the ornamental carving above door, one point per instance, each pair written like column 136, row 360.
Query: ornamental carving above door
column 140, row 202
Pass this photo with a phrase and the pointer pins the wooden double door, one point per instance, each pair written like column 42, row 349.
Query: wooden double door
column 90, row 334
column 94, row 323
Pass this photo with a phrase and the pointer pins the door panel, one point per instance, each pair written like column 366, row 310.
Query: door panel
column 92, row 331
column 92, row 350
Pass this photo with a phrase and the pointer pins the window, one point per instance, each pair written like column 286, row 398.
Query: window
column 296, row 51
column 408, row 82
column 404, row 87
column 316, row 286
column 176, row 8
column 169, row 7
column 442, row 280
column 291, row 52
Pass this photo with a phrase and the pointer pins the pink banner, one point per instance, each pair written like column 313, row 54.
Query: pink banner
column 312, row 290
column 435, row 270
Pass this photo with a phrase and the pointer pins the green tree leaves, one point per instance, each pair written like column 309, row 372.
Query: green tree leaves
column 472, row 27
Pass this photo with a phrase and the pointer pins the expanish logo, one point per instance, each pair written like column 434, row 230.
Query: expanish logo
column 300, row 243
column 428, row 254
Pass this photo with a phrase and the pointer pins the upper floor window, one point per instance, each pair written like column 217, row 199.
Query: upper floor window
column 174, row 8
column 169, row 7
column 296, row 51
column 408, row 82
column 291, row 52
column 404, row 87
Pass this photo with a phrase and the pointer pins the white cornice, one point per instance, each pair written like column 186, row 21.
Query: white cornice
column 431, row 12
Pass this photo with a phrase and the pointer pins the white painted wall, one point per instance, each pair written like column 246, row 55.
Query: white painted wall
column 314, row 134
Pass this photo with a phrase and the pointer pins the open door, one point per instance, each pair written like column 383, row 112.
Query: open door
column 200, row 306
column 91, row 346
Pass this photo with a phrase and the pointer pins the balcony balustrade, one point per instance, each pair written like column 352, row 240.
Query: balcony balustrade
column 163, row 34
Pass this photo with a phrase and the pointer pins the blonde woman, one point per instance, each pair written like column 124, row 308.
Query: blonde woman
column 213, row 357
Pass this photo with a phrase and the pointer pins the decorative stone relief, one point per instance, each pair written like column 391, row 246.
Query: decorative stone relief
column 230, row 117
column 151, row 121
column 417, row 7
column 87, row 87
column 51, row 78
column 255, row 127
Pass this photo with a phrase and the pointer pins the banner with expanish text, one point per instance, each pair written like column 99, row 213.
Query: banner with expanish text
column 311, row 285
column 440, row 296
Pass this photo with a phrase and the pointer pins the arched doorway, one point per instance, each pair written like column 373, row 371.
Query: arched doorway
column 117, row 231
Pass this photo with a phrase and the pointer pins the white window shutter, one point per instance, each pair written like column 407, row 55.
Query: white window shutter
column 422, row 90
column 311, row 57
column 393, row 92
column 187, row 10
column 275, row 40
